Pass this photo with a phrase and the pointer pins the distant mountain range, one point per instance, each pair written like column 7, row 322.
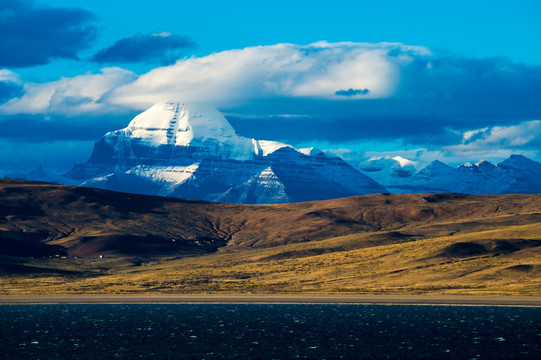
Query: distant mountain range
column 516, row 175
column 191, row 151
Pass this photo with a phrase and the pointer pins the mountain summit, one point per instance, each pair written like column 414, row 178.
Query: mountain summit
column 515, row 175
column 191, row 151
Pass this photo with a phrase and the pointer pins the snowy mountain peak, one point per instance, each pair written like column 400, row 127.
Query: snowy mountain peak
column 483, row 164
column 518, row 157
column 518, row 161
column 267, row 147
column 468, row 166
column 167, row 129
column 438, row 165
column 380, row 163
column 191, row 151
column 403, row 161
column 178, row 123
column 311, row 151
column 199, row 126
column 387, row 170
column 517, row 174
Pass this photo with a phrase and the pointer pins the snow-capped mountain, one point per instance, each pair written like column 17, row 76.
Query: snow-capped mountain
column 517, row 174
column 191, row 151
column 525, row 175
column 393, row 172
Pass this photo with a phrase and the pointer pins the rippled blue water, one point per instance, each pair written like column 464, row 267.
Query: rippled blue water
column 268, row 332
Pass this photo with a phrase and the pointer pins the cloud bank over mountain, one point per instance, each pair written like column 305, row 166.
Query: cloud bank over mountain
column 338, row 75
column 342, row 94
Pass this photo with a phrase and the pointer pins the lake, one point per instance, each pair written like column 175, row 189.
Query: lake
column 253, row 331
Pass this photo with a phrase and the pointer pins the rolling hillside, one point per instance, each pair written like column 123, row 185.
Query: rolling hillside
column 62, row 239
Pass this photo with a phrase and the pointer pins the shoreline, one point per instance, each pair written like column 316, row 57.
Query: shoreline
column 455, row 300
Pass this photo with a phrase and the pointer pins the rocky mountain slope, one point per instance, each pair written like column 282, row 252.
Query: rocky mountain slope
column 191, row 151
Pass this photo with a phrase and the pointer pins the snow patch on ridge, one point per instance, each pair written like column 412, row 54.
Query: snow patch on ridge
column 167, row 174
column 403, row 161
column 311, row 151
column 267, row 147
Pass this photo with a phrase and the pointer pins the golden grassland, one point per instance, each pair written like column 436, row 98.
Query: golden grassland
column 408, row 268
column 379, row 244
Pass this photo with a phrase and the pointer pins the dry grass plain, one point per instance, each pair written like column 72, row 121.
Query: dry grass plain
column 52, row 236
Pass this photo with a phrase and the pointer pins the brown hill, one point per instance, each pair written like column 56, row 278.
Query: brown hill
column 314, row 246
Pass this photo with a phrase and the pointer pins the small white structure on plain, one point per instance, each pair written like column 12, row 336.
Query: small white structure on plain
column 101, row 256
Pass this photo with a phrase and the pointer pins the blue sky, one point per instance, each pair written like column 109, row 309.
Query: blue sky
column 456, row 81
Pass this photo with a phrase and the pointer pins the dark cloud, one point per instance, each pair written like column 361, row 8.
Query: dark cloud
column 54, row 142
column 56, row 156
column 9, row 90
column 434, row 96
column 478, row 84
column 352, row 92
column 163, row 48
column 346, row 128
column 42, row 128
column 33, row 35
column 433, row 100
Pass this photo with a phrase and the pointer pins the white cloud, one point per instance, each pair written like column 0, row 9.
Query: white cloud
column 284, row 70
column 498, row 142
column 9, row 76
column 499, row 136
column 489, row 143
column 69, row 96
column 356, row 152
column 473, row 134
column 284, row 80
column 317, row 70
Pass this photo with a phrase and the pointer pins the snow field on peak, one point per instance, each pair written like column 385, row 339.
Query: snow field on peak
column 169, row 176
column 267, row 147
column 403, row 161
column 195, row 124
column 199, row 125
